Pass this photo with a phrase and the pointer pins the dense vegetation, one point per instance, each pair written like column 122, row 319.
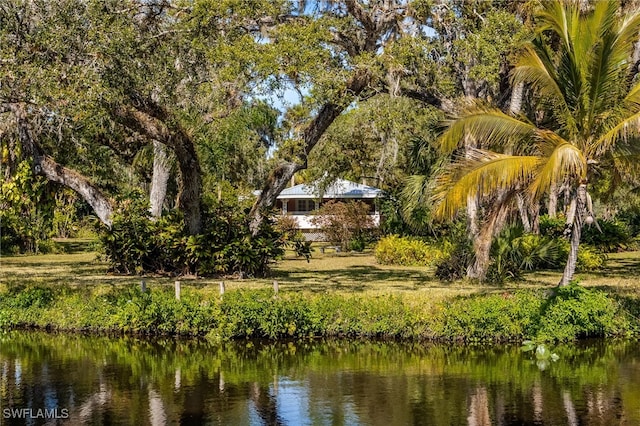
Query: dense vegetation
column 570, row 313
column 154, row 122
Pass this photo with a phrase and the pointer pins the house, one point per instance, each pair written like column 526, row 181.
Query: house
column 301, row 200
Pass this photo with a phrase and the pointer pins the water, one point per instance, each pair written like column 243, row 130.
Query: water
column 103, row 381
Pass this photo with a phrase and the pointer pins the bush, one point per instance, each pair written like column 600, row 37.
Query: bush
column 571, row 313
column 513, row 252
column 574, row 312
column 135, row 244
column 615, row 236
column 293, row 237
column 455, row 261
column 395, row 250
column 589, row 259
column 497, row 317
column 25, row 212
column 552, row 227
column 346, row 224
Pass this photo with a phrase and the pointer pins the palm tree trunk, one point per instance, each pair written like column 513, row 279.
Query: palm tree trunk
column 524, row 214
column 575, row 220
column 482, row 243
column 481, row 248
column 552, row 206
column 482, row 238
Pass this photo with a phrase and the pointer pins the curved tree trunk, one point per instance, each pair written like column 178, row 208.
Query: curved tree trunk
column 159, row 179
column 283, row 172
column 482, row 243
column 53, row 171
column 47, row 167
column 575, row 220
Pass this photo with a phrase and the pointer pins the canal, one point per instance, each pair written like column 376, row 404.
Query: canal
column 72, row 379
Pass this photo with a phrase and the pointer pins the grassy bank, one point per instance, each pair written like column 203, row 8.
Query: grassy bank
column 334, row 295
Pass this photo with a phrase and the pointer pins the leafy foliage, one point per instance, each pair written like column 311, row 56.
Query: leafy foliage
column 25, row 213
column 514, row 252
column 574, row 312
column 136, row 244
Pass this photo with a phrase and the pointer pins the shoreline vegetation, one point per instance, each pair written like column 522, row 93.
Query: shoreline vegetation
column 333, row 296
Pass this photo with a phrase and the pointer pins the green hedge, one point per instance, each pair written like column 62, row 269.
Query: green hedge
column 510, row 316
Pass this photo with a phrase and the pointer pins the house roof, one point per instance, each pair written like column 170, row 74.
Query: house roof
column 340, row 188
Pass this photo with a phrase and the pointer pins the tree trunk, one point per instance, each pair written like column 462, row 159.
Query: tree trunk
column 12, row 159
column 277, row 181
column 482, row 249
column 152, row 124
column 159, row 180
column 482, row 242
column 534, row 214
column 283, row 172
column 515, row 104
column 575, row 219
column 524, row 214
column 482, row 238
column 552, row 206
column 53, row 171
column 46, row 166
column 472, row 200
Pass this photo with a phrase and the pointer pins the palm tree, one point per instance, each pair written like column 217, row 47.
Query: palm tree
column 580, row 70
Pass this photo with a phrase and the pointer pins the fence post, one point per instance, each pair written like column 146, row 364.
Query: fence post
column 177, row 284
column 221, row 288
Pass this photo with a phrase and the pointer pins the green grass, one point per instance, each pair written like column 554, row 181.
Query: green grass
column 335, row 272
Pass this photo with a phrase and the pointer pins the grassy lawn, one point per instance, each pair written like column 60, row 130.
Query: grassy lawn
column 328, row 272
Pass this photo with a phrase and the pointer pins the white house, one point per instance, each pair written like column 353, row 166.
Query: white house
column 301, row 200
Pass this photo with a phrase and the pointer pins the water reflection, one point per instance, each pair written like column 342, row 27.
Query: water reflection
column 130, row 381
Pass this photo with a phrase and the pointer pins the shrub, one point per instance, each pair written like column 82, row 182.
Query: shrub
column 513, row 252
column 552, row 227
column 346, row 224
column 589, row 259
column 395, row 250
column 574, row 311
column 135, row 244
column 612, row 236
column 293, row 237
column 490, row 317
column 25, row 212
column 453, row 264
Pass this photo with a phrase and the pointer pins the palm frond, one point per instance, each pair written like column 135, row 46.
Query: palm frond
column 480, row 174
column 625, row 132
column 633, row 97
column 608, row 65
column 559, row 17
column 488, row 126
column 537, row 70
column 562, row 160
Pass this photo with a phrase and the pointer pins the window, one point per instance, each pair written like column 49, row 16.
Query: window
column 305, row 205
